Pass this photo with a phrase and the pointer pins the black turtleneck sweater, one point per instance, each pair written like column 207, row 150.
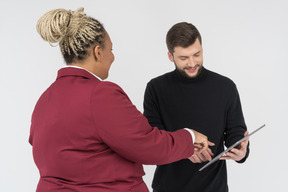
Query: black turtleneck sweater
column 208, row 103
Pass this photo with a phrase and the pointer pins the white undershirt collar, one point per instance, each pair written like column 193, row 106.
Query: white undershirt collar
column 83, row 69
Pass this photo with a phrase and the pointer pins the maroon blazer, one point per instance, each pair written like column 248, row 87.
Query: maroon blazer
column 88, row 136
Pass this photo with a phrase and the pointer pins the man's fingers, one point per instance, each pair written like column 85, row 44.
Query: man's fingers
column 246, row 133
column 228, row 155
column 207, row 155
column 210, row 152
column 195, row 159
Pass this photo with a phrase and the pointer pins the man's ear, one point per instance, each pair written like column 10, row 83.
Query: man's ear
column 170, row 56
column 97, row 52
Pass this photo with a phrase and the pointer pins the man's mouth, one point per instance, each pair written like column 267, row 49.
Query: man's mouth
column 191, row 69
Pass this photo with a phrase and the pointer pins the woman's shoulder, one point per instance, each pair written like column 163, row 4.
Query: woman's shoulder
column 109, row 85
column 109, row 89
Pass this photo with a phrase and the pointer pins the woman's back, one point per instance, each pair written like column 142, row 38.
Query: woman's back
column 66, row 145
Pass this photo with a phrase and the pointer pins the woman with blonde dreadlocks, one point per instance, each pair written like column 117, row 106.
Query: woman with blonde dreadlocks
column 85, row 132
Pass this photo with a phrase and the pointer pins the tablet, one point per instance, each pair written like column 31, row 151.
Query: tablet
column 228, row 149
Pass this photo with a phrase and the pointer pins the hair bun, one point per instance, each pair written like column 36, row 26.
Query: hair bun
column 53, row 26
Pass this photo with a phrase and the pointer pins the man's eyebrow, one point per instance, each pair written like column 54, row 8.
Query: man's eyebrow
column 182, row 56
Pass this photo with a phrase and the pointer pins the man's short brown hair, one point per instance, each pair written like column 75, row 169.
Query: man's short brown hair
column 182, row 34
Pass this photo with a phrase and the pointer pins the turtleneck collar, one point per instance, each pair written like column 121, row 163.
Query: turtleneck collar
column 200, row 77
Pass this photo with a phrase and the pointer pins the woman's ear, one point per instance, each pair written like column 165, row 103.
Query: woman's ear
column 97, row 52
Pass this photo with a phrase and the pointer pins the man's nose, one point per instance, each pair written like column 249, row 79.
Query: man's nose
column 191, row 62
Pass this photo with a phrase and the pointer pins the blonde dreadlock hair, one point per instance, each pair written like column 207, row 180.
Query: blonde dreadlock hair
column 73, row 30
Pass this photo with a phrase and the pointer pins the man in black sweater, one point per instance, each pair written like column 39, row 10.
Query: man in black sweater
column 192, row 96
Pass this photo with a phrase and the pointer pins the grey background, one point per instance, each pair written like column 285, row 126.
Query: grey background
column 244, row 40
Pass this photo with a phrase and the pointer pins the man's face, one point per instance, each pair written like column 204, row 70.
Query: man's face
column 188, row 61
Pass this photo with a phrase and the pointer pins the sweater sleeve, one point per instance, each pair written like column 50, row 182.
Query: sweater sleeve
column 235, row 124
column 151, row 107
column 126, row 131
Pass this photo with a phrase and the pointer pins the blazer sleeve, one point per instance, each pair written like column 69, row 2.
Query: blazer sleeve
column 126, row 131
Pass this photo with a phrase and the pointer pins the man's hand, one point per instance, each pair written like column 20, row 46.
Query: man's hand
column 201, row 142
column 201, row 157
column 237, row 154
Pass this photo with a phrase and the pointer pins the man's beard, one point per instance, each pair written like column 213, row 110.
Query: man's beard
column 184, row 74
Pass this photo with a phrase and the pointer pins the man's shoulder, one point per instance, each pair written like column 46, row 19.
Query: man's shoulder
column 161, row 78
column 219, row 78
